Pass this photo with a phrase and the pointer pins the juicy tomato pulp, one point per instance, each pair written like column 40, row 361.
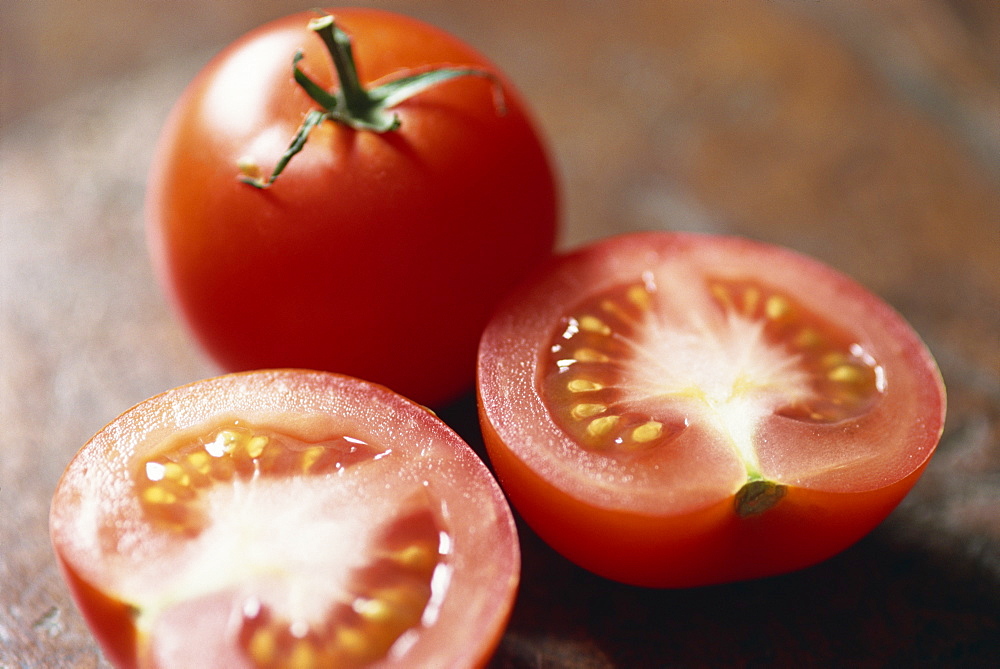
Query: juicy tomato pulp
column 677, row 410
column 285, row 518
column 368, row 243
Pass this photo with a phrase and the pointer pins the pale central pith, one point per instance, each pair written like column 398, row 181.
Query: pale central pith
column 269, row 551
column 721, row 371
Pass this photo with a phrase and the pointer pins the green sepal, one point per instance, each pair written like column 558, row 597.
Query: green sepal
column 354, row 105
column 757, row 496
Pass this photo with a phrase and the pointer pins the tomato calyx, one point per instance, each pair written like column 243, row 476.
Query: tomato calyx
column 757, row 496
column 352, row 104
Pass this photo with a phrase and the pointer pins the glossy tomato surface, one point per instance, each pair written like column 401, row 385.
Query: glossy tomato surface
column 375, row 255
column 285, row 518
column 676, row 410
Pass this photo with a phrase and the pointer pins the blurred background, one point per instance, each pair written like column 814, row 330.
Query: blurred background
column 866, row 134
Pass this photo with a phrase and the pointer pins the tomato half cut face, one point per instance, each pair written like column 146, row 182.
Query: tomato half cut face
column 285, row 518
column 676, row 409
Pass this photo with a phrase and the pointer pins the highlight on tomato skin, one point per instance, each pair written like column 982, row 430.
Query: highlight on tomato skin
column 675, row 409
column 285, row 518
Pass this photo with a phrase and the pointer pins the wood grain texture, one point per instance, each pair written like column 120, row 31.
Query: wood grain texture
column 866, row 134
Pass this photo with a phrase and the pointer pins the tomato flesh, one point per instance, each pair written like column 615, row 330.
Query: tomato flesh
column 672, row 409
column 201, row 529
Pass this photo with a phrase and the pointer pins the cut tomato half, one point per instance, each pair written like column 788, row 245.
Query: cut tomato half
column 285, row 519
column 674, row 409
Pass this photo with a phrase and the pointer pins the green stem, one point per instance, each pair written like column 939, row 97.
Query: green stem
column 357, row 103
column 352, row 104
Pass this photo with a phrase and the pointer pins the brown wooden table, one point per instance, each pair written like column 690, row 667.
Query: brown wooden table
column 866, row 134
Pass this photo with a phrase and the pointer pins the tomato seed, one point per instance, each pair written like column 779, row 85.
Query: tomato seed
column 581, row 411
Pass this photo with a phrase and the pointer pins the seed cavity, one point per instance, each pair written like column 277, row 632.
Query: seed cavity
column 383, row 599
column 602, row 341
column 585, row 362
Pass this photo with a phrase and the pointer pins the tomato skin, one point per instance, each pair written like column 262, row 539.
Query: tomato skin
column 705, row 547
column 102, row 535
column 377, row 256
column 621, row 530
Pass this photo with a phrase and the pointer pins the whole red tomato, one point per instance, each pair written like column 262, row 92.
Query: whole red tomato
column 677, row 410
column 386, row 241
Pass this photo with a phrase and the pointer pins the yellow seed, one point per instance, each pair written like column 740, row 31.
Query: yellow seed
column 374, row 610
column 614, row 309
column 639, row 296
column 776, row 307
column 262, row 647
column 586, row 410
column 256, row 445
column 583, row 386
column 594, row 325
column 176, row 473
column 310, row 456
column 303, row 656
column 647, row 431
column 416, row 556
column 590, row 355
column 200, row 461
column 157, row 495
column 600, row 427
column 352, row 641
column 845, row 374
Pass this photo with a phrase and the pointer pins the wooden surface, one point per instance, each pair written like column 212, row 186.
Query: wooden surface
column 866, row 134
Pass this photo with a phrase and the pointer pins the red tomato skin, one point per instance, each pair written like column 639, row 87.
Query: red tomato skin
column 376, row 256
column 109, row 620
column 476, row 605
column 707, row 545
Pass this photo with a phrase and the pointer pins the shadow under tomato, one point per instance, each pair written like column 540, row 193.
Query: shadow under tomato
column 886, row 601
column 876, row 605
